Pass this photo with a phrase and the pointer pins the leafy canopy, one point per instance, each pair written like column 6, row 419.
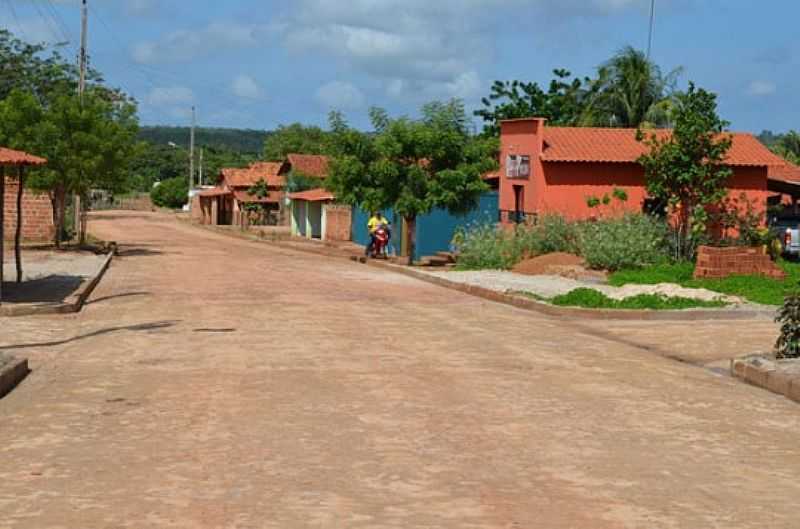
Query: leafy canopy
column 295, row 138
column 411, row 165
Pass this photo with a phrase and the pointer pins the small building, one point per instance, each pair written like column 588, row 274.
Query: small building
column 315, row 215
column 37, row 208
column 226, row 203
column 558, row 169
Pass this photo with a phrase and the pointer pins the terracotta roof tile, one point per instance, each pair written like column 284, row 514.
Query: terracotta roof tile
column 215, row 192
column 586, row 144
column 309, row 164
column 244, row 196
column 313, row 195
column 268, row 171
column 12, row 157
column 787, row 172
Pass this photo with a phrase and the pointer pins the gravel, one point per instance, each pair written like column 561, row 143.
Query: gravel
column 548, row 286
column 40, row 264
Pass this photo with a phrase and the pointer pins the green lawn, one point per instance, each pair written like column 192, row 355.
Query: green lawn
column 757, row 289
column 592, row 299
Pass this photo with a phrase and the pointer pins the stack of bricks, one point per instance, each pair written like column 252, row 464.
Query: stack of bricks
column 37, row 214
column 338, row 222
column 718, row 263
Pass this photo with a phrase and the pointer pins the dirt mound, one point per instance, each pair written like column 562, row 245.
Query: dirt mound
column 557, row 264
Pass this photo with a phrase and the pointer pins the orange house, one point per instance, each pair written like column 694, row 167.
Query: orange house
column 559, row 169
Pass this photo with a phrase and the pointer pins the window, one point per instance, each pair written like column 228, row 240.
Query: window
column 518, row 166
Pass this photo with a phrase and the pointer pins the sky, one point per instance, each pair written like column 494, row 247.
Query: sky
column 261, row 63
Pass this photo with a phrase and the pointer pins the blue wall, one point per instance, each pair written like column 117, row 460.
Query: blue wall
column 434, row 230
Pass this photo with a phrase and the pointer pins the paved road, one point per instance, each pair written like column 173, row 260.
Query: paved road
column 220, row 383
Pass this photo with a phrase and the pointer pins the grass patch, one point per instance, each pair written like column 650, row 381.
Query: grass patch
column 593, row 299
column 757, row 289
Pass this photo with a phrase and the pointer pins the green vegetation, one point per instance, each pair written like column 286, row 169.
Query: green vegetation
column 296, row 138
column 628, row 91
column 172, row 193
column 411, row 165
column 757, row 289
column 593, row 299
column 629, row 241
column 788, row 342
column 234, row 140
column 784, row 145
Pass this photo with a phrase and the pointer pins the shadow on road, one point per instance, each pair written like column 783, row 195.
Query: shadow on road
column 141, row 327
column 125, row 295
column 49, row 289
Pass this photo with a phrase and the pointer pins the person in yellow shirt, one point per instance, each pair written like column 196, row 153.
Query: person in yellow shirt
column 376, row 221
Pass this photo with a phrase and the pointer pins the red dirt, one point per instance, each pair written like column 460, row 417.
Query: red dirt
column 543, row 264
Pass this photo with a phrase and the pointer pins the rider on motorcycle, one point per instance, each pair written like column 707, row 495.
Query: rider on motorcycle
column 376, row 221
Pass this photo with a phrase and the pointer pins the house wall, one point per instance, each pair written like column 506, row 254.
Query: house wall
column 564, row 187
column 37, row 214
column 337, row 221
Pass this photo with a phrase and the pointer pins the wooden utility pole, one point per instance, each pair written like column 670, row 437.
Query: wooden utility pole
column 83, row 63
column 652, row 27
column 191, row 150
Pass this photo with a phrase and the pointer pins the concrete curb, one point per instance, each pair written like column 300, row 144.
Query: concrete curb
column 763, row 372
column 73, row 303
column 12, row 373
column 522, row 302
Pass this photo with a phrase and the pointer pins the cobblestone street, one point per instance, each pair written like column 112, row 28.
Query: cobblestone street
column 221, row 383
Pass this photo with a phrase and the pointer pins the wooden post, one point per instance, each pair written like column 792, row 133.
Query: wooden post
column 18, row 234
column 411, row 226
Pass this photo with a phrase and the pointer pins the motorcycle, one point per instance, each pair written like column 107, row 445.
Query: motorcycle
column 380, row 242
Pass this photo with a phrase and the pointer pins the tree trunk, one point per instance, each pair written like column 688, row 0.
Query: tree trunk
column 59, row 213
column 411, row 234
column 2, row 222
column 18, row 234
column 84, row 219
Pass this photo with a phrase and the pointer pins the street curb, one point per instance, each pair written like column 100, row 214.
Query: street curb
column 74, row 303
column 576, row 312
column 12, row 374
column 521, row 302
column 762, row 372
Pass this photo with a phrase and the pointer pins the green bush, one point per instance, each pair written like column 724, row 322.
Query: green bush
column 630, row 241
column 484, row 246
column 788, row 343
column 172, row 193
column 552, row 233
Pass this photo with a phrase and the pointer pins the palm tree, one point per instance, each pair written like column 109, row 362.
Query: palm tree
column 631, row 91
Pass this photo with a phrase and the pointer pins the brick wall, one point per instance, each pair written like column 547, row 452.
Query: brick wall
column 716, row 263
column 37, row 214
column 338, row 221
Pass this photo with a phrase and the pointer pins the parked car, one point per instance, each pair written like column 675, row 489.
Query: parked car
column 787, row 227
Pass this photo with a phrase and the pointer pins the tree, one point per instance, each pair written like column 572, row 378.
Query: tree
column 172, row 193
column 260, row 191
column 630, row 91
column 88, row 145
column 295, row 138
column 787, row 146
column 563, row 103
column 686, row 169
column 412, row 166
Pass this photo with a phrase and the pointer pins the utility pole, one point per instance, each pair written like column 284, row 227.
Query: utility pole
column 652, row 26
column 83, row 59
column 191, row 150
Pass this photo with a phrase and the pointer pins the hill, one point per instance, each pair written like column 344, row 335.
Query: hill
column 237, row 140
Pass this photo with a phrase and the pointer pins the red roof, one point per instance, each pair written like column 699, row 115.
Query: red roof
column 244, row 196
column 587, row 144
column 267, row 171
column 313, row 195
column 215, row 192
column 787, row 172
column 309, row 164
column 12, row 157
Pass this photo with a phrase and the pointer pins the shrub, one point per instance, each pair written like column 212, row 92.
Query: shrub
column 630, row 241
column 590, row 298
column 552, row 233
column 172, row 193
column 484, row 246
column 788, row 343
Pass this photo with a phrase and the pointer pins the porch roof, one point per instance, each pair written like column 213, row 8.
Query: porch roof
column 12, row 157
column 247, row 198
column 215, row 192
column 313, row 195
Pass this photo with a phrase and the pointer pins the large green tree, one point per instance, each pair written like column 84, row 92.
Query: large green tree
column 411, row 165
column 686, row 169
column 295, row 138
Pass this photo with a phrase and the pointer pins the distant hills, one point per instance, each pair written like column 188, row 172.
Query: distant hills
column 237, row 140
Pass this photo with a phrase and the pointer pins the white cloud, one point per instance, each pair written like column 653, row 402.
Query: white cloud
column 185, row 45
column 246, row 87
column 761, row 88
column 420, row 47
column 139, row 7
column 340, row 95
column 170, row 96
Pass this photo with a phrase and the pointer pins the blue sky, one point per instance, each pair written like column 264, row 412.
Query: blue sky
column 260, row 63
